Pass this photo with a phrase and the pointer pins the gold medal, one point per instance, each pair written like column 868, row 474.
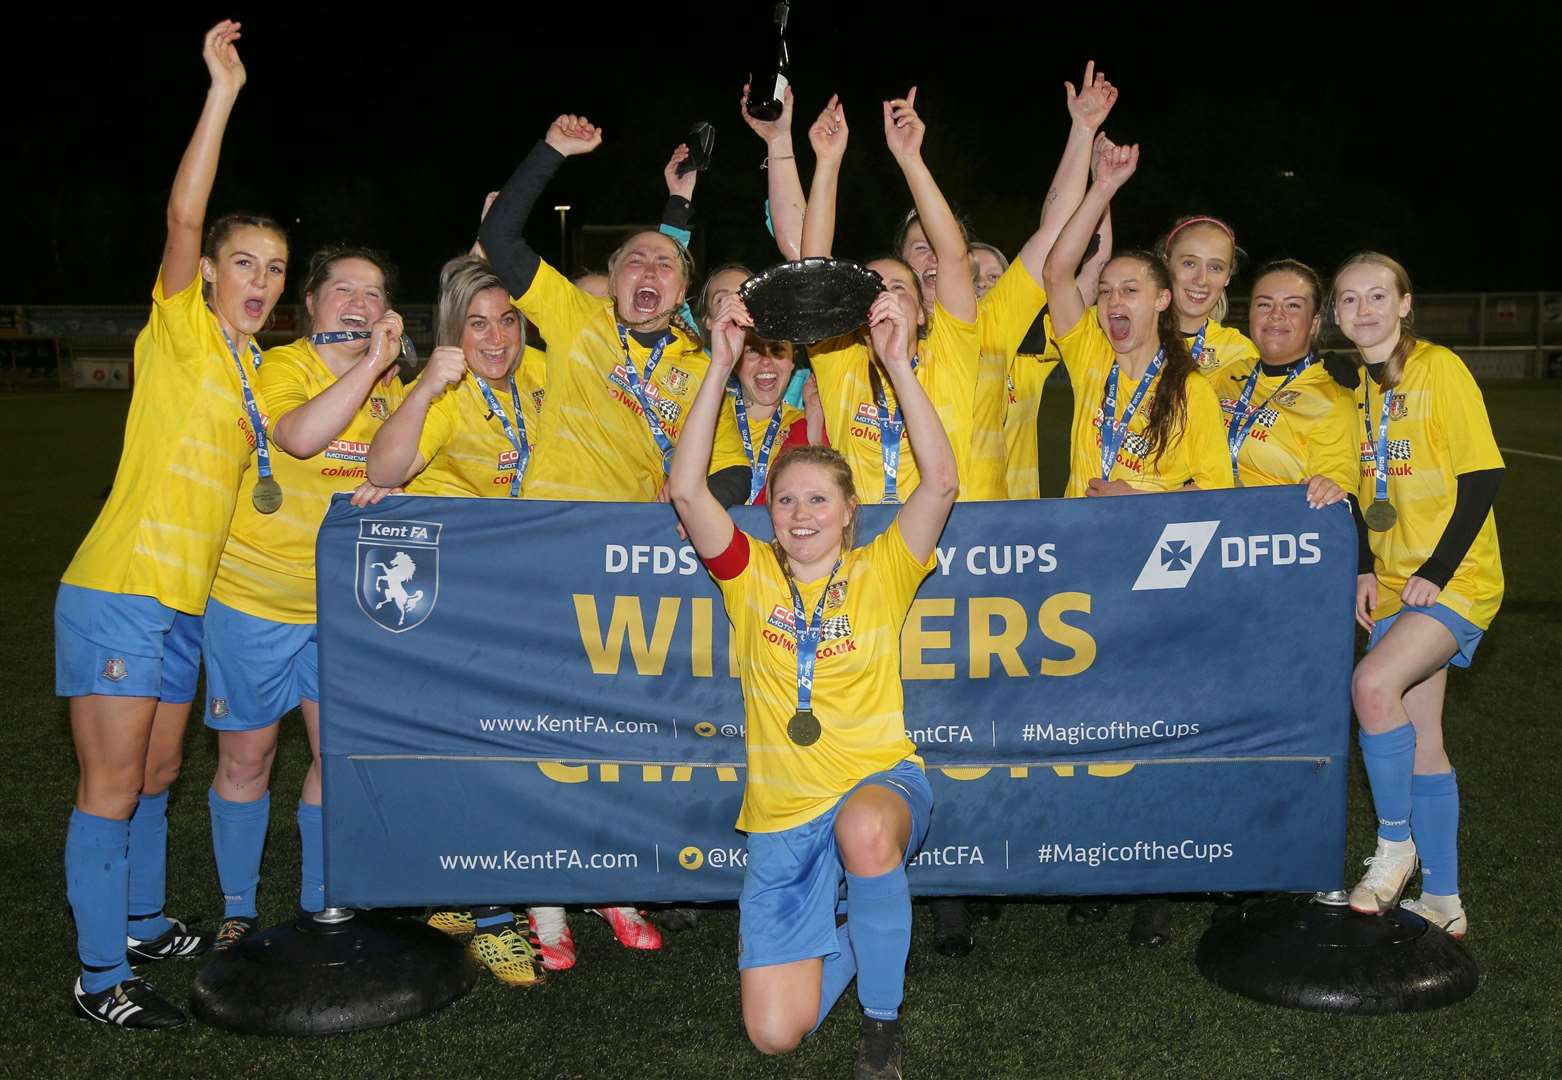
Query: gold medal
column 1381, row 515
column 267, row 495
column 804, row 728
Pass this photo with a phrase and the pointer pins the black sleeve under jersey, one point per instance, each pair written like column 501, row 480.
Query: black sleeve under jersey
column 502, row 231
column 730, row 485
column 677, row 211
column 1035, row 341
column 1364, row 564
column 1477, row 492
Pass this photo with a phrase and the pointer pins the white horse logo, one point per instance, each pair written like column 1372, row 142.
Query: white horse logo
column 392, row 585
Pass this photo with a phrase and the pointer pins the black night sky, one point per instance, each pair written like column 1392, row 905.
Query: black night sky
column 1431, row 136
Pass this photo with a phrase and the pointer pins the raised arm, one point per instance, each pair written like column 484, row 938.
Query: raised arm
column 1090, row 274
column 783, row 183
column 198, row 168
column 305, row 431
column 827, row 136
column 927, row 508
column 680, row 197
column 1114, row 165
column 502, row 233
column 903, row 131
column 704, row 518
column 393, row 455
column 1088, row 107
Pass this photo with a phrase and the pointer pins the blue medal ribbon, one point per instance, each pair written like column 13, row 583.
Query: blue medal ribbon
column 653, row 421
column 1196, row 349
column 759, row 467
column 1380, row 464
column 808, row 635
column 1243, row 418
column 262, row 444
column 1114, row 431
column 336, row 337
column 517, row 439
column 892, row 425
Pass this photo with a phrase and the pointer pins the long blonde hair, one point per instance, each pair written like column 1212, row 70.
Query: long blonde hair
column 1394, row 369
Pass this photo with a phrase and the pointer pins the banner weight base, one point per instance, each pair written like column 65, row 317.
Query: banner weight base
column 1323, row 957
column 314, row 977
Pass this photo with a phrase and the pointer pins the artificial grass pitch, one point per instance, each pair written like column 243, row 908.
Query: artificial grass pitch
column 1038, row 997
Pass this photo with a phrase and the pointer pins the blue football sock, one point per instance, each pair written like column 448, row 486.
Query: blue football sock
column 1434, row 818
column 880, row 929
column 837, row 974
column 492, row 920
column 238, row 838
column 311, row 835
column 148, row 858
column 97, row 873
column 1389, row 758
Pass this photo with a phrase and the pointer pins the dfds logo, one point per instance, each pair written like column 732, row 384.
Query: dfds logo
column 1181, row 548
column 1176, row 555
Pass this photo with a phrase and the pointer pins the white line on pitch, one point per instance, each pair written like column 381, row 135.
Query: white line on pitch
column 1530, row 453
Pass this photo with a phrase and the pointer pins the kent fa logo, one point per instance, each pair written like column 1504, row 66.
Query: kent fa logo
column 398, row 572
column 1176, row 555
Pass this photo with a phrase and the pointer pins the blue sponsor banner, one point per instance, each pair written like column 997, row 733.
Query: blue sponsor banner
column 535, row 701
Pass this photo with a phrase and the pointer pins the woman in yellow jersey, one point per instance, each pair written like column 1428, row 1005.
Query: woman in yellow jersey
column 758, row 424
column 835, row 789
column 1201, row 252
column 621, row 372
column 326, row 395
column 1127, row 440
column 1287, row 420
column 127, row 621
column 1429, row 473
column 861, row 413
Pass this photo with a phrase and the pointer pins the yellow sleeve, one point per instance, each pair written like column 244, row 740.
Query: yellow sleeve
column 557, row 307
column 1080, row 348
column 1204, row 439
column 1006, row 313
column 283, row 385
column 727, row 448
column 951, row 386
column 900, row 572
column 439, row 424
column 1332, row 447
column 1460, row 412
column 179, row 324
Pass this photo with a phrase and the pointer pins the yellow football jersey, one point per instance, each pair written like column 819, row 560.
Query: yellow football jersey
column 268, row 565
column 187, row 441
column 593, row 442
column 727, row 451
column 1196, row 454
column 1306, row 429
column 1223, row 345
column 946, row 369
column 1027, row 379
column 1003, row 317
column 856, row 687
column 463, row 443
column 1437, row 429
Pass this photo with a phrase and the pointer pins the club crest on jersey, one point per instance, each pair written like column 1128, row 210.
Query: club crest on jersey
column 835, row 596
column 1397, row 409
column 1286, row 398
column 677, row 380
column 379, row 408
column 219, row 708
column 114, row 670
column 537, row 399
column 1207, row 360
column 397, row 580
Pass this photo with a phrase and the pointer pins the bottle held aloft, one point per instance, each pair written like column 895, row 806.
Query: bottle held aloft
column 769, row 81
